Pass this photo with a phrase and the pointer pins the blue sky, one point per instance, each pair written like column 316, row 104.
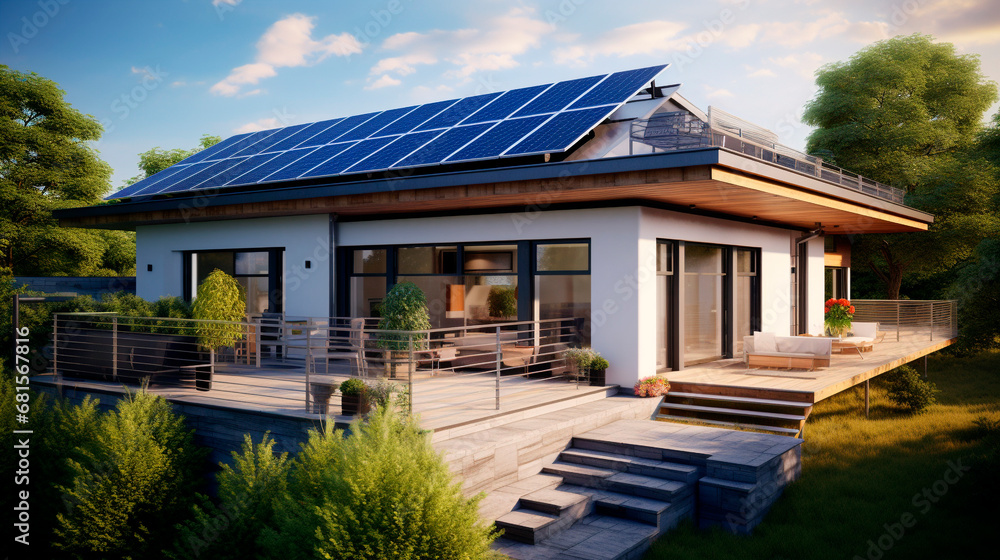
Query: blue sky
column 164, row 72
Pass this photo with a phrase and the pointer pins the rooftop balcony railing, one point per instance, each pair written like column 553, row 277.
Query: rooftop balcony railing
column 678, row 131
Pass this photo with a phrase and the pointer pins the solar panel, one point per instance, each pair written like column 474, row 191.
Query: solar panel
column 335, row 131
column 558, row 96
column 505, row 105
column 307, row 162
column 454, row 114
column 382, row 119
column 207, row 172
column 443, row 146
column 397, row 150
column 236, row 170
column 251, row 175
column 302, row 135
column 340, row 162
column 414, row 118
column 212, row 150
column 265, row 144
column 617, row 86
column 560, row 131
column 498, row 139
column 532, row 120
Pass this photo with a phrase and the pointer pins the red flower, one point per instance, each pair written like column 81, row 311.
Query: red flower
column 844, row 302
column 852, row 310
column 826, row 310
column 830, row 302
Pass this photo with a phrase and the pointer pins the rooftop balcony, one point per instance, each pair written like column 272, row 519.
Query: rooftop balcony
column 676, row 131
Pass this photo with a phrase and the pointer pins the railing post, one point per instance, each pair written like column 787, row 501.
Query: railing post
column 114, row 348
column 256, row 336
column 409, row 377
column 897, row 320
column 499, row 359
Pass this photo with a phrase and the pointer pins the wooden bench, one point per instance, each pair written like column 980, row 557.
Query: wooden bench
column 784, row 360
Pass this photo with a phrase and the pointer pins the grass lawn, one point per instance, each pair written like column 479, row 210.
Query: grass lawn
column 861, row 478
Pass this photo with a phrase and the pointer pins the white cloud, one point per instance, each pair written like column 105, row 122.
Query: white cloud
column 288, row 42
column 495, row 46
column 227, row 2
column 805, row 63
column 794, row 34
column 649, row 37
column 262, row 124
column 718, row 93
column 383, row 81
column 758, row 72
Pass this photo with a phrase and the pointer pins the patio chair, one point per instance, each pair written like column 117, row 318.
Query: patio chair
column 353, row 352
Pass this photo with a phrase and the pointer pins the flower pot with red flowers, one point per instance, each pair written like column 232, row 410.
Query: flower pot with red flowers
column 653, row 386
column 838, row 314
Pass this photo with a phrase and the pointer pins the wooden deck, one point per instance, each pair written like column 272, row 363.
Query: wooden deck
column 846, row 369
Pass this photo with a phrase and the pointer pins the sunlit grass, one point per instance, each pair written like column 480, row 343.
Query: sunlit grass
column 860, row 475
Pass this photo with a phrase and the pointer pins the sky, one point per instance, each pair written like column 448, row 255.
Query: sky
column 162, row 73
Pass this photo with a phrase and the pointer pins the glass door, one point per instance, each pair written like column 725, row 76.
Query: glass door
column 704, row 279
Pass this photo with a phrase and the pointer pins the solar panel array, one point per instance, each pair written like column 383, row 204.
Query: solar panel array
column 533, row 120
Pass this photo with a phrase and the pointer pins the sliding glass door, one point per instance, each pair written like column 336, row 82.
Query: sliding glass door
column 704, row 314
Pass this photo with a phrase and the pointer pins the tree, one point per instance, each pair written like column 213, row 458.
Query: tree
column 906, row 111
column 157, row 159
column 46, row 164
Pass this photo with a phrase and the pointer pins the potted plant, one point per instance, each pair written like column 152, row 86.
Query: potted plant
column 220, row 298
column 321, row 393
column 652, row 386
column 598, row 366
column 502, row 302
column 403, row 309
column 353, row 397
column 838, row 314
column 582, row 359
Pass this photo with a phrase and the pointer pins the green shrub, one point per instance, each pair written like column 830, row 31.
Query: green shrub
column 599, row 363
column 383, row 492
column 220, row 298
column 352, row 387
column 126, row 305
column 909, row 390
column 137, row 481
column 246, row 499
column 404, row 308
column 502, row 301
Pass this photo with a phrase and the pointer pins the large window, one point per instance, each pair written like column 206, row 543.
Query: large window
column 708, row 299
column 472, row 284
column 258, row 271
column 704, row 279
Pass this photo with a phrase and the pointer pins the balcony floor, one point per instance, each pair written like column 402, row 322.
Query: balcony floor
column 846, row 369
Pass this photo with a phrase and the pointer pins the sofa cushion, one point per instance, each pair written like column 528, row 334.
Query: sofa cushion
column 764, row 342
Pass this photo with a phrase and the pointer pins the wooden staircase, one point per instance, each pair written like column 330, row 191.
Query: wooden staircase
column 769, row 410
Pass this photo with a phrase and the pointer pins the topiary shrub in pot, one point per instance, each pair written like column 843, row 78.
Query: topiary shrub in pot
column 404, row 308
column 220, row 298
column 353, row 397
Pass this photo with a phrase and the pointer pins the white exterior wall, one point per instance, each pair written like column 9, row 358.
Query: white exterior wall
column 816, row 286
column 613, row 252
column 307, row 291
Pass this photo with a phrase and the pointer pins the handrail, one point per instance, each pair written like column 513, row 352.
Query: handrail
column 675, row 131
column 910, row 318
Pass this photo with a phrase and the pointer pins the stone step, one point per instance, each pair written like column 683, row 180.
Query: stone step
column 657, row 513
column 764, row 428
column 554, row 502
column 734, row 412
column 594, row 537
column 685, row 457
column 626, row 483
column 736, row 399
column 527, row 526
column 631, row 464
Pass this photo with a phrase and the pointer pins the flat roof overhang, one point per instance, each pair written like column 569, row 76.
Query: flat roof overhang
column 710, row 181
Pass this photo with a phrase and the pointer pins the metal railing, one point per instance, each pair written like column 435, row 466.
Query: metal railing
column 908, row 319
column 677, row 131
column 291, row 363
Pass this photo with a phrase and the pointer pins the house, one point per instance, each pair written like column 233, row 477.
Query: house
column 667, row 231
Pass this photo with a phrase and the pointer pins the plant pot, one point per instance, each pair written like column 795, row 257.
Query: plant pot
column 321, row 393
column 397, row 365
column 352, row 405
column 597, row 377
